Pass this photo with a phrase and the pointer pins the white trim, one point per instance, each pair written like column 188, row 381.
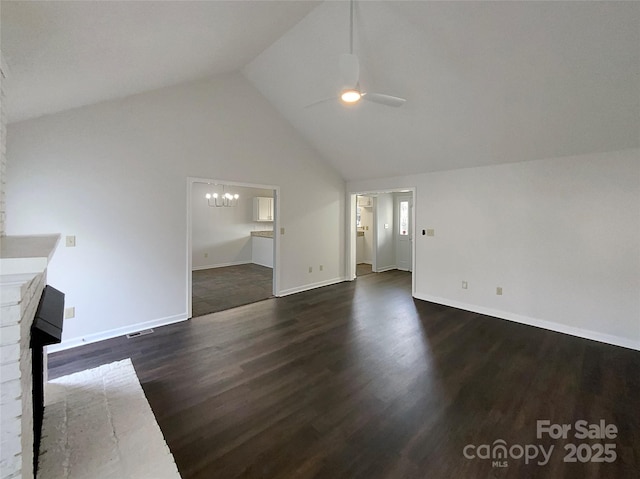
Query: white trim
column 350, row 248
column 350, row 242
column 188, row 226
column 220, row 265
column 5, row 71
column 538, row 323
column 374, row 236
column 307, row 287
column 276, row 236
column 114, row 333
column 260, row 264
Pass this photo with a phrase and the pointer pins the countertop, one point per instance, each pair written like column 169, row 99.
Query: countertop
column 262, row 234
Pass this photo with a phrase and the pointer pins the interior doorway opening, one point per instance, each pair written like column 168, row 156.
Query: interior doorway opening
column 381, row 232
column 232, row 252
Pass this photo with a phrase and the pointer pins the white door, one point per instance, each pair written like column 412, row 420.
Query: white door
column 404, row 232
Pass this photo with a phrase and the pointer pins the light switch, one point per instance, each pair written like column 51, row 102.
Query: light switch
column 71, row 241
column 281, row 231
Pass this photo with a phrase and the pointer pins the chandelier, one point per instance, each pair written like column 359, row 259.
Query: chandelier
column 224, row 200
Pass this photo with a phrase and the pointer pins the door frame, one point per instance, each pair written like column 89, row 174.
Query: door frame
column 276, row 227
column 350, row 247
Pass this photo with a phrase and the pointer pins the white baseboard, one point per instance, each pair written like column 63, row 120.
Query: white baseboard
column 307, row 287
column 219, row 265
column 261, row 264
column 114, row 333
column 538, row 323
column 385, row 268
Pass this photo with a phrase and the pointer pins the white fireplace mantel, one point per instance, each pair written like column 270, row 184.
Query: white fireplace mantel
column 26, row 254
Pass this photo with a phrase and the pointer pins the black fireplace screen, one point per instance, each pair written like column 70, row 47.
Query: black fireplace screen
column 46, row 329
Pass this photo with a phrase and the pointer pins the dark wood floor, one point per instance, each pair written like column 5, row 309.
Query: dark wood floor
column 217, row 289
column 363, row 269
column 359, row 380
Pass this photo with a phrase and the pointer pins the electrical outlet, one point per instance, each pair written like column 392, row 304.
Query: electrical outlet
column 499, row 290
column 386, row 226
column 69, row 312
column 465, row 285
column 70, row 241
column 431, row 232
column 310, row 269
column 281, row 231
column 321, row 268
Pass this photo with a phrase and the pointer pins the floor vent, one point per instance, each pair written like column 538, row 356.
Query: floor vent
column 144, row 332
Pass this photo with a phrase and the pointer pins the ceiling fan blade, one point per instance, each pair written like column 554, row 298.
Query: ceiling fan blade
column 324, row 100
column 387, row 100
column 350, row 69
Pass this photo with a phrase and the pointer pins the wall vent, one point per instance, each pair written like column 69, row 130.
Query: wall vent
column 144, row 332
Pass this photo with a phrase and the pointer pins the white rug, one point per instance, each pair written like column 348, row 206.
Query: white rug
column 99, row 425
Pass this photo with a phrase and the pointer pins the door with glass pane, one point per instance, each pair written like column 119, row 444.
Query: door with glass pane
column 404, row 231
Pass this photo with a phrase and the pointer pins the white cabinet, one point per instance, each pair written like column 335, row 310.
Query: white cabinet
column 262, row 208
column 262, row 251
column 365, row 201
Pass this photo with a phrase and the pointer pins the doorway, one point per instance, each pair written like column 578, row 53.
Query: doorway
column 232, row 251
column 364, row 235
column 381, row 232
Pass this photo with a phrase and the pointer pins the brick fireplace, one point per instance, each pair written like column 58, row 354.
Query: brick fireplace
column 23, row 269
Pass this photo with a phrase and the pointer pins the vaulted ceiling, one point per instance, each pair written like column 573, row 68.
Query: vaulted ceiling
column 65, row 54
column 485, row 82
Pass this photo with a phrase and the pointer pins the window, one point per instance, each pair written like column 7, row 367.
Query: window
column 404, row 218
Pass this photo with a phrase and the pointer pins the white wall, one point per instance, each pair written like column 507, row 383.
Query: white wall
column 223, row 234
column 3, row 144
column 561, row 236
column 384, row 241
column 115, row 175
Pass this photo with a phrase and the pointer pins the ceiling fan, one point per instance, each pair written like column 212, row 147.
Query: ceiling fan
column 350, row 70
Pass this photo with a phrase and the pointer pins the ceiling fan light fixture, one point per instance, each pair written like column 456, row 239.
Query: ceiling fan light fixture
column 351, row 96
column 350, row 70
